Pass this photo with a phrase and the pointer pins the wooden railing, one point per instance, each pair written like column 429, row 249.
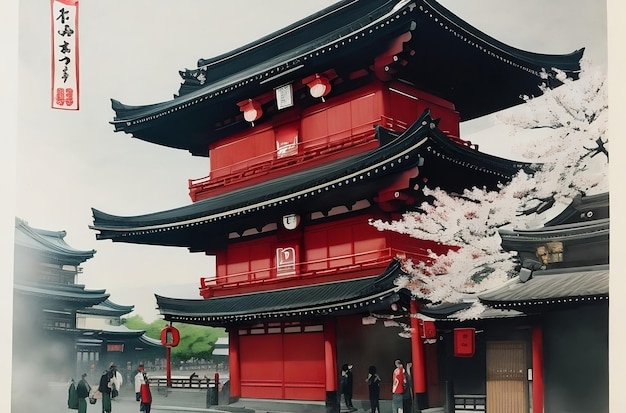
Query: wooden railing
column 183, row 382
column 269, row 275
column 269, row 162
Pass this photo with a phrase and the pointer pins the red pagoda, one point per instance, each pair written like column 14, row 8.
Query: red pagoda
column 312, row 131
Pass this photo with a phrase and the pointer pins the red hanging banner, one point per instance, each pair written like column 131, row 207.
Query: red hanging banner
column 464, row 343
column 64, row 54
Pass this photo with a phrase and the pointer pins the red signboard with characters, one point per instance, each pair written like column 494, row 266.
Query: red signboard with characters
column 464, row 342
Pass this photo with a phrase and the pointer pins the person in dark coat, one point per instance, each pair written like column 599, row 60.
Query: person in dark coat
column 82, row 392
column 346, row 384
column 103, row 387
column 373, row 388
column 72, row 398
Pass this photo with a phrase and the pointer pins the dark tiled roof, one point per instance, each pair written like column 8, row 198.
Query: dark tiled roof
column 552, row 287
column 583, row 209
column 107, row 308
column 443, row 55
column 334, row 298
column 48, row 243
column 354, row 178
column 76, row 294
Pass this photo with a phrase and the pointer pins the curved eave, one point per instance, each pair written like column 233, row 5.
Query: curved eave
column 450, row 60
column 108, row 308
column 76, row 295
column 150, row 342
column 583, row 208
column 121, row 335
column 348, row 180
column 48, row 242
column 571, row 286
column 329, row 299
column 264, row 70
column 577, row 233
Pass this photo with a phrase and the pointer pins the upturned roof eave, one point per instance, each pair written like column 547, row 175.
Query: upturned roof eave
column 576, row 285
column 317, row 300
column 236, row 81
column 576, row 233
column 49, row 242
column 403, row 152
column 142, row 121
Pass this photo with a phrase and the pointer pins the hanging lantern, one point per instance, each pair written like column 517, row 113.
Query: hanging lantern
column 170, row 336
column 251, row 110
column 319, row 87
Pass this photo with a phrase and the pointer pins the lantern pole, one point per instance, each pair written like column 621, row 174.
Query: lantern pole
column 170, row 337
column 168, row 370
column 168, row 362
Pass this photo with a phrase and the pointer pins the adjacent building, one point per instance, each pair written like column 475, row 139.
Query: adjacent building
column 60, row 328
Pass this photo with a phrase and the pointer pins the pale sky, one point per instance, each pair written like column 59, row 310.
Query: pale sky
column 132, row 50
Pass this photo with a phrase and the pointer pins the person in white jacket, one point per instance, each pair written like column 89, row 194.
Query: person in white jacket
column 139, row 378
column 142, row 390
column 116, row 381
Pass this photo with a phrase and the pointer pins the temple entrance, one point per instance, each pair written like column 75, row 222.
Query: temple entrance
column 284, row 365
column 507, row 384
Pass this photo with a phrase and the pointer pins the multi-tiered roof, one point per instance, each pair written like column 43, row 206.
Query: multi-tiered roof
column 351, row 42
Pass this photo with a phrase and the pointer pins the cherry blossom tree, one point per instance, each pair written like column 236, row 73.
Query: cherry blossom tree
column 569, row 150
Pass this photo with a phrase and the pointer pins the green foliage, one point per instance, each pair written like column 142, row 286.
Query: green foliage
column 195, row 341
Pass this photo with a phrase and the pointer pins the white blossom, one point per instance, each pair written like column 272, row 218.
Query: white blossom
column 570, row 151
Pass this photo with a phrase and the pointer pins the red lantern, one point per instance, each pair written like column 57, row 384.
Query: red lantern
column 319, row 86
column 170, row 336
column 251, row 110
column 464, row 342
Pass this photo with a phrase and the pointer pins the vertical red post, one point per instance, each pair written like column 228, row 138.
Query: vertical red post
column 233, row 363
column 417, row 351
column 330, row 356
column 330, row 365
column 168, row 366
column 537, row 350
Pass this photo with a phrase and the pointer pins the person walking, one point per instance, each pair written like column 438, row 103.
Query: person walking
column 82, row 392
column 139, row 378
column 72, row 399
column 397, row 388
column 115, row 381
column 142, row 390
column 346, row 385
column 373, row 387
column 105, row 390
column 408, row 388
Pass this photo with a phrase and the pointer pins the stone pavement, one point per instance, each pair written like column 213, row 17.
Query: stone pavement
column 52, row 398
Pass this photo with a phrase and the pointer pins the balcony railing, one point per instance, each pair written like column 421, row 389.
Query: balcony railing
column 271, row 161
column 310, row 269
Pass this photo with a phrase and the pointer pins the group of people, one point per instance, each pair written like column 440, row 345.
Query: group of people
column 108, row 389
column 401, row 378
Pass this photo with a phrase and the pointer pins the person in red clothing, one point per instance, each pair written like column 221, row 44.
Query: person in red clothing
column 397, row 388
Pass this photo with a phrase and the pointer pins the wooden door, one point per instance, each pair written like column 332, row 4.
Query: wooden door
column 507, row 384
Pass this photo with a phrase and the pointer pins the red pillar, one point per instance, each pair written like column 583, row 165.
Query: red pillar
column 233, row 363
column 330, row 361
column 537, row 347
column 417, row 351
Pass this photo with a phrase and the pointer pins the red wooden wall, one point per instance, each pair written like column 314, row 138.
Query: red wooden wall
column 393, row 105
column 320, row 247
column 283, row 366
